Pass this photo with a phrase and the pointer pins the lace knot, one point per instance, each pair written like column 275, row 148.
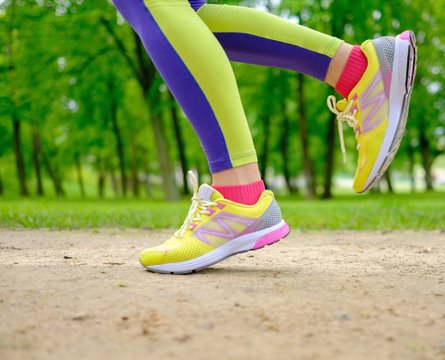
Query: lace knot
column 199, row 207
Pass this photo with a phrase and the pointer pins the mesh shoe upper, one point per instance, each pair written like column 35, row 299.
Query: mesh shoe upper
column 213, row 221
column 368, row 104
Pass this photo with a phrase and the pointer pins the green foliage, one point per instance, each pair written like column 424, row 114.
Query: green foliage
column 64, row 67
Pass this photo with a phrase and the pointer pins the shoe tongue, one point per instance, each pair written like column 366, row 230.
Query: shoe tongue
column 206, row 192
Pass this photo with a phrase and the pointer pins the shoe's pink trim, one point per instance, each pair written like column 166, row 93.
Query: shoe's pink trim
column 272, row 237
column 406, row 35
column 387, row 80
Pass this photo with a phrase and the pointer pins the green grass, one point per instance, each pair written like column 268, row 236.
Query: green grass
column 367, row 212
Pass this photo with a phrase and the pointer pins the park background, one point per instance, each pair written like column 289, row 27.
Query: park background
column 90, row 135
column 93, row 154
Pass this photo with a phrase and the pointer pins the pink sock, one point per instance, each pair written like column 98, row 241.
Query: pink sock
column 247, row 194
column 353, row 72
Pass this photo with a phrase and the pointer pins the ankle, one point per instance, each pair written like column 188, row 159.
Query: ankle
column 244, row 174
column 352, row 72
column 247, row 194
column 338, row 64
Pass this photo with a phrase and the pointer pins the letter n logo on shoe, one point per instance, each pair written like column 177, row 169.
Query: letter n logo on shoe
column 223, row 226
column 373, row 104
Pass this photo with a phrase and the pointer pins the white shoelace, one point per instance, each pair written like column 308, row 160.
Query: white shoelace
column 199, row 207
column 346, row 116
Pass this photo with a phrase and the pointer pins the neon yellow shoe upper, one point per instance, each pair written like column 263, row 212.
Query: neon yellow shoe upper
column 214, row 229
column 377, row 106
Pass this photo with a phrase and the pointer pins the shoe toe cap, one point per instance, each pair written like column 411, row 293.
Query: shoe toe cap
column 152, row 256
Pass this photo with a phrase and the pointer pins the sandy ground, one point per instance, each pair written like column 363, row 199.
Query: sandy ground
column 314, row 295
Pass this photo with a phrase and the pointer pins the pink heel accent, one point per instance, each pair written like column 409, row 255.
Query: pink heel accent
column 272, row 237
column 406, row 35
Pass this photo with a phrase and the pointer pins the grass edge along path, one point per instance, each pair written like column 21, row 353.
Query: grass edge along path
column 357, row 212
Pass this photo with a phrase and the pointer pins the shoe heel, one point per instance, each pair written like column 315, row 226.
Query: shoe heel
column 272, row 237
column 410, row 37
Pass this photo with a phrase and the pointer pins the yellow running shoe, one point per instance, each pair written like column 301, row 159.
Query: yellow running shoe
column 377, row 107
column 216, row 228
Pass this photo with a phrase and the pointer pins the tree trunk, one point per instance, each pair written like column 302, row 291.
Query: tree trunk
column 144, row 71
column 134, row 166
column 2, row 190
column 412, row 177
column 148, row 188
column 52, row 173
column 330, row 151
column 428, row 177
column 179, row 144
column 113, row 178
column 101, row 178
column 339, row 19
column 284, row 143
column 168, row 183
column 36, row 149
column 376, row 188
column 304, row 135
column 79, row 175
column 60, row 190
column 118, row 136
column 146, row 76
column 19, row 162
column 266, row 121
column 146, row 79
column 389, row 181
column 427, row 162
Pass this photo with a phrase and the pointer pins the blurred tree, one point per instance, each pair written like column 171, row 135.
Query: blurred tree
column 144, row 71
column 12, row 41
column 80, row 98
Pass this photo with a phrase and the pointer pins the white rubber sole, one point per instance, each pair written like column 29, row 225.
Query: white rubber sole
column 404, row 68
column 253, row 241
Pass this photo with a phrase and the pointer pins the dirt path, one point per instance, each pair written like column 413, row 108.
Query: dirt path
column 316, row 295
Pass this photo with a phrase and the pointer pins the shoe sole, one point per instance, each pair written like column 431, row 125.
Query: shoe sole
column 253, row 241
column 404, row 70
